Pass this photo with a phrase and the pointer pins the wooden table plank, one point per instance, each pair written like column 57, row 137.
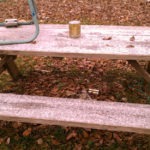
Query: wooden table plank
column 77, row 113
column 54, row 41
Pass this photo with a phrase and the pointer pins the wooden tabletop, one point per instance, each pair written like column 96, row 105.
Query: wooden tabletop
column 54, row 40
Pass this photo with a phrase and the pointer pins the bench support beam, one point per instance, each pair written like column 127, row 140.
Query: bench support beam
column 140, row 70
column 7, row 63
column 148, row 67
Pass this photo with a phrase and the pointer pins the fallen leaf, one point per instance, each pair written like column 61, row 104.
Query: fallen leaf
column 70, row 93
column 134, row 148
column 39, row 141
column 105, row 88
column 55, row 90
column 109, row 135
column 112, row 98
column 109, row 45
column 1, row 140
column 132, row 38
column 27, row 132
column 85, row 134
column 124, row 99
column 73, row 134
column 55, row 142
column 117, row 137
column 107, row 38
column 78, row 147
column 8, row 141
column 130, row 46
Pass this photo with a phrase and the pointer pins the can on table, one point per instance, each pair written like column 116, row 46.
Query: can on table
column 74, row 29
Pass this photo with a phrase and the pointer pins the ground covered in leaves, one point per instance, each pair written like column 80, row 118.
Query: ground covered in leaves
column 65, row 77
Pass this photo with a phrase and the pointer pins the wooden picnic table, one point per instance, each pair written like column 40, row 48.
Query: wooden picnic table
column 130, row 43
column 96, row 41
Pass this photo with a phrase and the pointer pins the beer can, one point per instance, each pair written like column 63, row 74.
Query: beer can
column 74, row 29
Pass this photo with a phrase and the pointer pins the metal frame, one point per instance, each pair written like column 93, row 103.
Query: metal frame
column 34, row 21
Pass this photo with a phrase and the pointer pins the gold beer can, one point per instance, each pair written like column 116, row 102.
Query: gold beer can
column 74, row 29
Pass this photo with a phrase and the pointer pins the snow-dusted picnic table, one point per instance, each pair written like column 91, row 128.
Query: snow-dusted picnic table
column 131, row 43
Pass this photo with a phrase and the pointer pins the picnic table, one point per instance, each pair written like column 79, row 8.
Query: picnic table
column 96, row 41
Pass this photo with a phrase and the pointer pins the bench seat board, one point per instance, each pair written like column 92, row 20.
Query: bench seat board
column 54, row 40
column 75, row 112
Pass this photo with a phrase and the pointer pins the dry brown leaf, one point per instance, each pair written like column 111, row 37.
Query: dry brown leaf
column 27, row 132
column 130, row 46
column 107, row 38
column 73, row 134
column 134, row 148
column 132, row 38
column 117, row 137
column 8, row 141
column 78, row 147
column 85, row 134
column 55, row 90
column 124, row 99
column 1, row 140
column 105, row 88
column 39, row 141
column 97, row 136
column 55, row 142
column 70, row 93
column 109, row 135
column 112, row 98
column 109, row 45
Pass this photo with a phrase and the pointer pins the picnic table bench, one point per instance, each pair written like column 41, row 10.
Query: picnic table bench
column 110, row 42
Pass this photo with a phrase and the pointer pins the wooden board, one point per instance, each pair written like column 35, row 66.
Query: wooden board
column 77, row 113
column 54, row 41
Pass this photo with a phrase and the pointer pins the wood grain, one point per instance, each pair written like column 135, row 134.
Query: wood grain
column 54, row 41
column 75, row 112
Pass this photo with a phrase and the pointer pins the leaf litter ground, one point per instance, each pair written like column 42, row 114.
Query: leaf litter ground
column 65, row 77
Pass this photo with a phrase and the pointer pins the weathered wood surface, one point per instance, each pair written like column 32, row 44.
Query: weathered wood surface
column 54, row 41
column 77, row 113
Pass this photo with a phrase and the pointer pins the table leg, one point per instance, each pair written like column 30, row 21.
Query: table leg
column 7, row 63
column 145, row 74
column 2, row 63
column 148, row 67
